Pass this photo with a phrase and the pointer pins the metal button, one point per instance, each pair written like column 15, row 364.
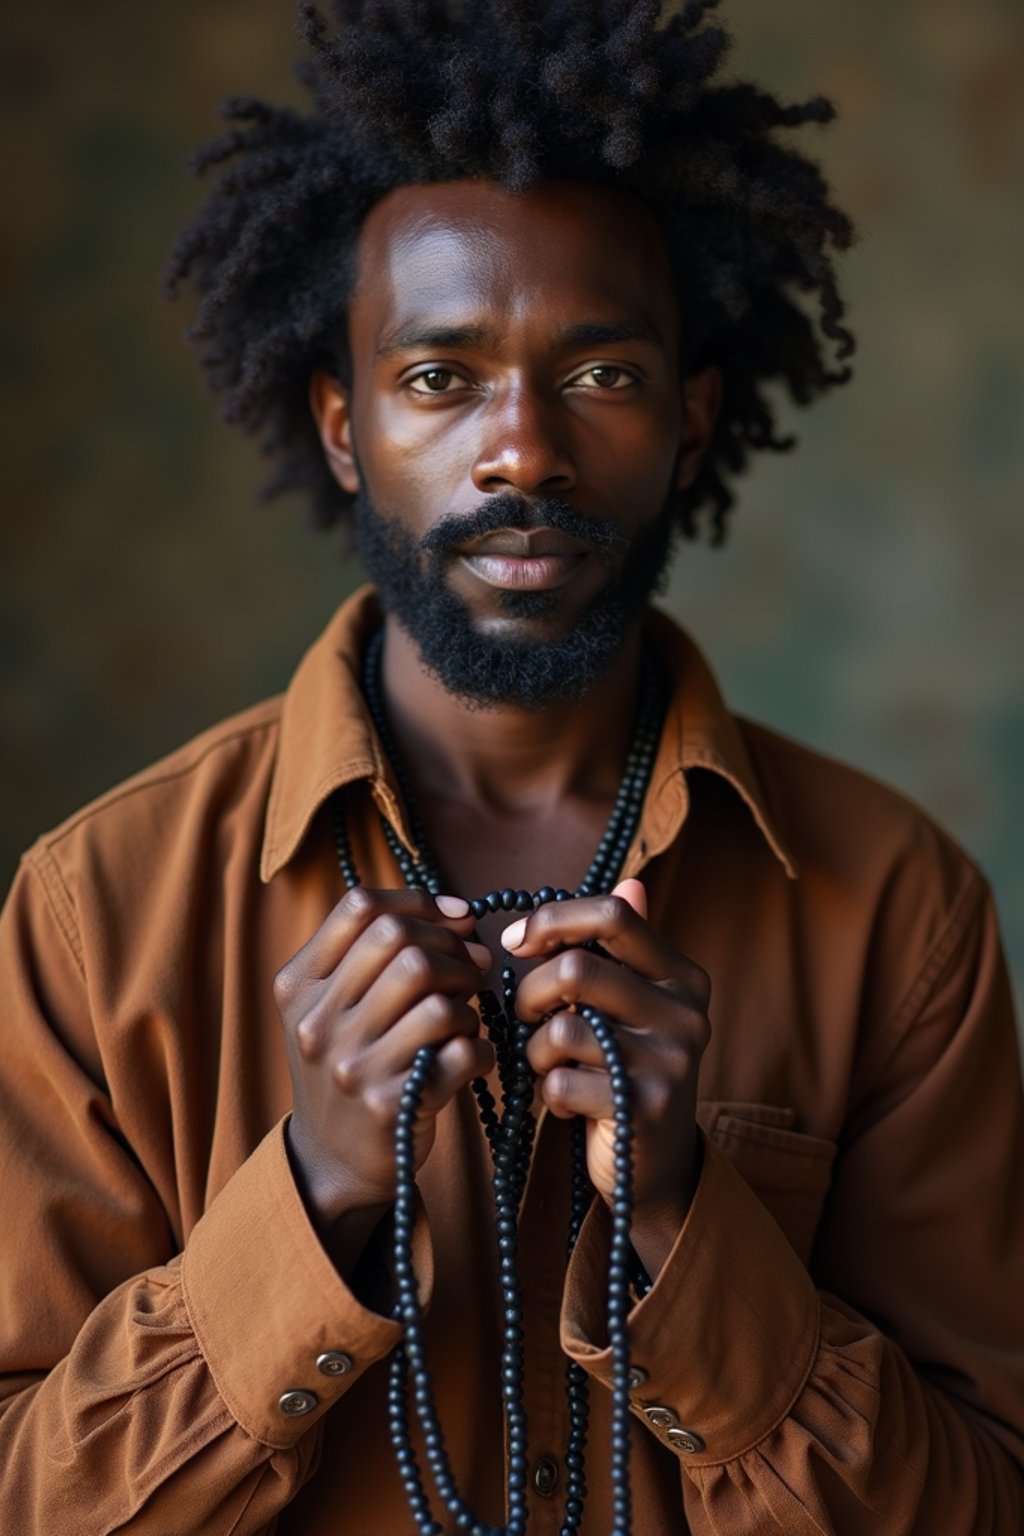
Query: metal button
column 662, row 1417
column 334, row 1363
column 637, row 1376
column 545, row 1476
column 297, row 1402
column 685, row 1440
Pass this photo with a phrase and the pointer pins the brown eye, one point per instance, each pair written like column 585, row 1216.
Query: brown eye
column 434, row 382
column 606, row 376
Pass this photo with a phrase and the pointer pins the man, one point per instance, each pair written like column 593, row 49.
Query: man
column 511, row 295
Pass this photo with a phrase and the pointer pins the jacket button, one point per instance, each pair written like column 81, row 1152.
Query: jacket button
column 334, row 1363
column 660, row 1416
column 297, row 1402
column 545, row 1476
column 685, row 1440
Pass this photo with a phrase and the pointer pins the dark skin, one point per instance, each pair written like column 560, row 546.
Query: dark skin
column 473, row 375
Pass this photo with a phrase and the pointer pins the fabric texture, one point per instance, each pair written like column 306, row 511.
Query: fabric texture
column 840, row 1321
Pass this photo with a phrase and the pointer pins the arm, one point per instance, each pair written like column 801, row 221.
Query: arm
column 142, row 1387
column 900, row 1406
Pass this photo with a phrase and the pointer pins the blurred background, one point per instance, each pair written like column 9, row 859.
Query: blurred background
column 869, row 599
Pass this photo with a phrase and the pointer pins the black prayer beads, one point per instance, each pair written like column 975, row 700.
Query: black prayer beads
column 510, row 1135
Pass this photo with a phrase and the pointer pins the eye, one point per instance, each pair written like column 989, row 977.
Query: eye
column 606, row 376
column 433, row 381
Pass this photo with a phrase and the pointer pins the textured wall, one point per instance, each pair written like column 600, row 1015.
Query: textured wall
column 869, row 601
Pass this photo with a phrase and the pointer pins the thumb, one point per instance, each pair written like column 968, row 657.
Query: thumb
column 633, row 892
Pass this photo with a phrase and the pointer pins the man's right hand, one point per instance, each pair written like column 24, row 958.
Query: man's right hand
column 386, row 973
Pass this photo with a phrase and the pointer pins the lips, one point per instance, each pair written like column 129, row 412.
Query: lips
column 541, row 574
column 536, row 544
column 540, row 560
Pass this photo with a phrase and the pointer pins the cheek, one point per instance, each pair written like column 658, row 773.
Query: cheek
column 408, row 458
column 639, row 464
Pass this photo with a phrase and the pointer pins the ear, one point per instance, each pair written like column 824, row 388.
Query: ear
column 702, row 400
column 332, row 413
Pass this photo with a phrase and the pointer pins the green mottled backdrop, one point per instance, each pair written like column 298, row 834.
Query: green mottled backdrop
column 870, row 599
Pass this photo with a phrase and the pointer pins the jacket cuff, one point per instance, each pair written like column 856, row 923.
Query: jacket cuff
column 725, row 1339
column 282, row 1334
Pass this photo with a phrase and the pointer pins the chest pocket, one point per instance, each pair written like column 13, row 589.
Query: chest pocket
column 789, row 1171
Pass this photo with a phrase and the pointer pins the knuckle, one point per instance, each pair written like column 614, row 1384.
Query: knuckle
column 439, row 1012
column 389, row 931
column 357, row 904
column 658, row 1097
column 700, row 986
column 564, row 1030
column 573, row 970
column 415, row 962
column 308, row 1036
column 558, row 1088
column 286, row 984
column 697, row 1027
column 613, row 911
column 678, row 1065
column 458, row 1057
column 347, row 1071
column 379, row 1104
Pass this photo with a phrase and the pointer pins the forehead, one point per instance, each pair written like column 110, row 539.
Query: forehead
column 561, row 252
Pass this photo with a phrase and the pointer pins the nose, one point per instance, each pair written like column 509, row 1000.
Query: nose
column 526, row 446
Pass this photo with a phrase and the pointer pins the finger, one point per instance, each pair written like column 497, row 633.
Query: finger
column 578, row 976
column 569, row 1091
column 434, row 1020
column 387, row 936
column 457, row 1063
column 633, row 892
column 412, row 975
column 614, row 923
column 354, row 913
column 567, row 1038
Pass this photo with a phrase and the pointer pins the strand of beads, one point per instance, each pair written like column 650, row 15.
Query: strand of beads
column 510, row 1138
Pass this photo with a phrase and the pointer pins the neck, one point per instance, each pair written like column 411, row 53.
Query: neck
column 509, row 757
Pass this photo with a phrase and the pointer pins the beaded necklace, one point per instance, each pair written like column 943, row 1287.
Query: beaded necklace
column 510, row 1135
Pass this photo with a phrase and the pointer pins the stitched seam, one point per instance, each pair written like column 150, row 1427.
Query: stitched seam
column 59, row 901
column 924, row 984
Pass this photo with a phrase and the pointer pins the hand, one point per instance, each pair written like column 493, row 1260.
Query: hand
column 386, row 973
column 658, row 1000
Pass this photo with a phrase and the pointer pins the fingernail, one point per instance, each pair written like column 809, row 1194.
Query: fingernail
column 514, row 934
column 453, row 906
column 479, row 954
column 633, row 891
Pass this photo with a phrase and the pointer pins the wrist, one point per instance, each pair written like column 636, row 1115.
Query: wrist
column 343, row 1216
column 658, row 1222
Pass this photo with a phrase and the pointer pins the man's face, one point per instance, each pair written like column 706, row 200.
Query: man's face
column 517, row 424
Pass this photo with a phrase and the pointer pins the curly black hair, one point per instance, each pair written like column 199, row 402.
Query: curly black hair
column 618, row 92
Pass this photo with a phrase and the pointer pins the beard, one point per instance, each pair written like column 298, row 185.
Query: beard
column 487, row 671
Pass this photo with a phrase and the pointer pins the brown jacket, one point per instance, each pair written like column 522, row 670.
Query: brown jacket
column 841, row 1321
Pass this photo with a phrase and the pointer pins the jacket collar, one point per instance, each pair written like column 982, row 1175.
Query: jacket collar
column 327, row 740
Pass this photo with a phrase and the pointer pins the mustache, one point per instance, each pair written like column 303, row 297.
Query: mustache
column 506, row 510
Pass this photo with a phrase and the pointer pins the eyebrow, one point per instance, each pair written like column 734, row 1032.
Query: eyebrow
column 417, row 337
